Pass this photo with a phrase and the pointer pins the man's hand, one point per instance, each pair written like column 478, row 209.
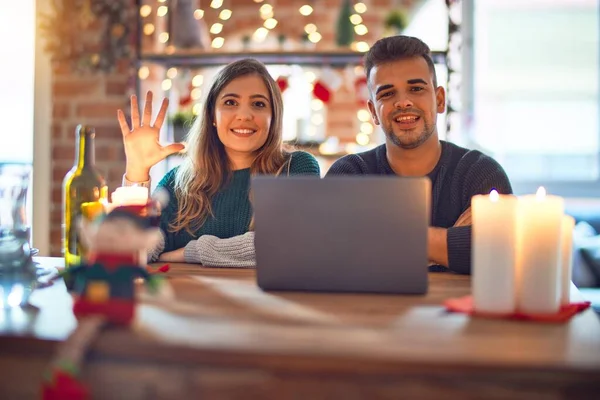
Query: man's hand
column 438, row 240
column 173, row 256
column 437, row 249
column 464, row 219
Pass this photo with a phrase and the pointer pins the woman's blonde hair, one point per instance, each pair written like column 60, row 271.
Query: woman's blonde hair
column 207, row 169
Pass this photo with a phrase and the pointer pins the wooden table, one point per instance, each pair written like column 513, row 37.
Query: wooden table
column 214, row 333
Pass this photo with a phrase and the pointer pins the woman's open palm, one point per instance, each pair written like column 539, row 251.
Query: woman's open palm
column 141, row 142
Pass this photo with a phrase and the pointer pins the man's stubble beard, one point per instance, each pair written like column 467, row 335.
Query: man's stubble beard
column 425, row 134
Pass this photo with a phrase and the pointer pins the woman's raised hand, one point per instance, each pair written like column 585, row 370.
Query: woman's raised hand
column 142, row 147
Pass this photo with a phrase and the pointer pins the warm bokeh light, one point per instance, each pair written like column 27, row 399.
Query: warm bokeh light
column 260, row 34
column 217, row 42
column 225, row 14
column 360, row 7
column 270, row 23
column 361, row 30
column 317, row 119
column 148, row 29
column 216, row 28
column 144, row 72
column 267, row 15
column 306, row 10
column 316, row 104
column 310, row 28
column 310, row 76
column 166, row 84
column 363, row 139
column 197, row 80
column 266, row 9
column 314, row 37
column 145, row 10
column 196, row 93
column 363, row 115
column 216, row 3
column 356, row 19
column 366, row 127
column 163, row 37
column 363, row 47
column 162, row 11
column 172, row 73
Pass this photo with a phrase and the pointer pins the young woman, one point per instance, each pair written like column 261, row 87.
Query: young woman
column 239, row 134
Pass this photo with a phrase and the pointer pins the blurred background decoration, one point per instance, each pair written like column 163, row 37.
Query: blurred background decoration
column 395, row 22
column 90, row 35
column 181, row 121
column 507, row 67
column 313, row 49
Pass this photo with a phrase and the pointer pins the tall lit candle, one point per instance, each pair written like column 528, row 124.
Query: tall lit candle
column 566, row 249
column 539, row 225
column 493, row 252
column 129, row 195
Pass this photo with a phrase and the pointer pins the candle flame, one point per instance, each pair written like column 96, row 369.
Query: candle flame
column 494, row 196
column 540, row 194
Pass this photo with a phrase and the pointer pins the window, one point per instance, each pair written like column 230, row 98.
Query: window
column 17, row 27
column 535, row 91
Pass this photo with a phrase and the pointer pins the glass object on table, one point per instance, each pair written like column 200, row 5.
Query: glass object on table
column 18, row 275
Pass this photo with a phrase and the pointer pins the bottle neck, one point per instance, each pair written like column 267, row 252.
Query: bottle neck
column 85, row 152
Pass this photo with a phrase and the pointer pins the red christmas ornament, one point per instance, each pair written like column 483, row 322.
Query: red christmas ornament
column 362, row 91
column 282, row 82
column 186, row 99
column 64, row 386
column 328, row 83
column 322, row 92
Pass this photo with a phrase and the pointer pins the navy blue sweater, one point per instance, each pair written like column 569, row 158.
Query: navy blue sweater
column 459, row 174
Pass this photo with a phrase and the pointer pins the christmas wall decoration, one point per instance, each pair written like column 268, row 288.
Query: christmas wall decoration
column 188, row 32
column 71, row 37
column 345, row 28
column 283, row 83
column 327, row 84
column 362, row 91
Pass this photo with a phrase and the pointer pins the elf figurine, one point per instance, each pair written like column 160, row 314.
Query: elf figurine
column 104, row 289
column 104, row 284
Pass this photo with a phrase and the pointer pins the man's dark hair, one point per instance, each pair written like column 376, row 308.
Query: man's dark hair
column 396, row 48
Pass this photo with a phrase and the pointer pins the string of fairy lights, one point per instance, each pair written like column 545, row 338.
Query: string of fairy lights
column 267, row 15
column 154, row 23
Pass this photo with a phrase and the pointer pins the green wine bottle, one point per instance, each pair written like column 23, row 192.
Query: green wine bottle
column 82, row 184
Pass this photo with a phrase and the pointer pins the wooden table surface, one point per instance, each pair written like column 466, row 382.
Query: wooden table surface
column 217, row 321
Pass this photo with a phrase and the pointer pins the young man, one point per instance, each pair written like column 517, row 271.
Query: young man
column 404, row 101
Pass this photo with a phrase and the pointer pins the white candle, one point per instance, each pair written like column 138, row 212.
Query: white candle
column 129, row 195
column 493, row 252
column 539, row 224
column 566, row 249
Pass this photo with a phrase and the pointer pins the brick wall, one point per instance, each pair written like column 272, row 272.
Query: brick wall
column 85, row 99
column 94, row 98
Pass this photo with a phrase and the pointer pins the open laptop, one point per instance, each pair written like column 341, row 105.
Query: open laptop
column 342, row 234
